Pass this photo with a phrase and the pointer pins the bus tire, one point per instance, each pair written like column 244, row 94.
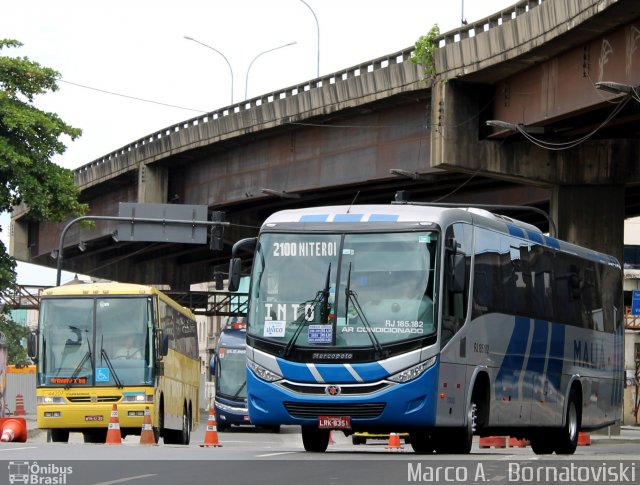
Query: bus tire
column 542, row 444
column 422, row 442
column 221, row 427
column 567, row 439
column 95, row 436
column 59, row 435
column 314, row 439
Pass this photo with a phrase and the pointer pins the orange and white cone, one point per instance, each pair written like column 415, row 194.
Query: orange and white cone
column 13, row 429
column 394, row 442
column 211, row 435
column 146, row 435
column 114, row 437
column 20, row 410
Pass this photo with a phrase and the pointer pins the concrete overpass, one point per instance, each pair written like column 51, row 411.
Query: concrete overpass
column 337, row 138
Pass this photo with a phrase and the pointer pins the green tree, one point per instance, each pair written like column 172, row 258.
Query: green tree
column 14, row 334
column 29, row 138
column 424, row 53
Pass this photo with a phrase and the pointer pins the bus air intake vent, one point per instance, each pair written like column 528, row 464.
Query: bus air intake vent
column 355, row 410
column 97, row 399
column 351, row 390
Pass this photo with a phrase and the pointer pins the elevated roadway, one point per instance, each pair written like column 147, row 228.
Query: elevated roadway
column 361, row 134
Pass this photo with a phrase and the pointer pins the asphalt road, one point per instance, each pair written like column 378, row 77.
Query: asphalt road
column 250, row 456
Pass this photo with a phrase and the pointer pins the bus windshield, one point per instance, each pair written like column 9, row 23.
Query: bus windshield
column 95, row 341
column 231, row 381
column 344, row 290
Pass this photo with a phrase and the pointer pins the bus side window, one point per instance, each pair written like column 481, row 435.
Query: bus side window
column 457, row 268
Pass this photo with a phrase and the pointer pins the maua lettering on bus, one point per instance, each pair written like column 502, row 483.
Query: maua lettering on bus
column 305, row 249
column 589, row 354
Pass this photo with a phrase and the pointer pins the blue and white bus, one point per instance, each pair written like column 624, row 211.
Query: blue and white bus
column 228, row 365
column 444, row 322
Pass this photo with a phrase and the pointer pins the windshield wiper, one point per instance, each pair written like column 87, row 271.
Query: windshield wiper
column 103, row 354
column 240, row 389
column 351, row 295
column 324, row 309
column 322, row 294
column 87, row 356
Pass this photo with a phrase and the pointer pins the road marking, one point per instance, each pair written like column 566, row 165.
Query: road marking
column 21, row 448
column 125, row 479
column 276, row 454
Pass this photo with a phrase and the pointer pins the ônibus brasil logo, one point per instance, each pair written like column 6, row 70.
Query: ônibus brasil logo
column 34, row 473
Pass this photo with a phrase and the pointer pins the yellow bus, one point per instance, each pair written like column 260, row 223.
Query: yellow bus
column 114, row 343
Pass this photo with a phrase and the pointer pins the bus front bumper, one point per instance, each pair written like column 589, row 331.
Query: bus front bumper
column 399, row 405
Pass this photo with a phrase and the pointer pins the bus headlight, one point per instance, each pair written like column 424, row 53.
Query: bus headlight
column 51, row 400
column 413, row 372
column 137, row 397
column 262, row 373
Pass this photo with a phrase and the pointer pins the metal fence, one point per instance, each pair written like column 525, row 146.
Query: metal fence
column 23, row 384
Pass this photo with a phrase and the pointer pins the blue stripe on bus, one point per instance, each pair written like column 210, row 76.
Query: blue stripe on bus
column 315, row 218
column 552, row 242
column 535, row 237
column 509, row 372
column 556, row 360
column 295, row 372
column 383, row 217
column 537, row 358
column 515, row 231
column 348, row 217
column 334, row 373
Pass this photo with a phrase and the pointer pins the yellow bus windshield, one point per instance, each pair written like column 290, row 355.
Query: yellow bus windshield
column 96, row 341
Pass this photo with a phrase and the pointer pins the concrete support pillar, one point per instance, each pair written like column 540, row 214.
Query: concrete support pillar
column 153, row 183
column 591, row 216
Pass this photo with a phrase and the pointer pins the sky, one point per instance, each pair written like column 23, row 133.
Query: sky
column 128, row 71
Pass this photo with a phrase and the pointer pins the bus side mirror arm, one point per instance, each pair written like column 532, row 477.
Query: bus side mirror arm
column 235, row 265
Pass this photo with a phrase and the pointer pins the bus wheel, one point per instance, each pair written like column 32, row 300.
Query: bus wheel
column 221, row 427
column 59, row 435
column 315, row 439
column 421, row 442
column 567, row 440
column 541, row 444
column 95, row 436
column 185, row 437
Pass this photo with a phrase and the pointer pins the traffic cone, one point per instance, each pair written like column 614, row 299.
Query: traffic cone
column 146, row 435
column 113, row 434
column 211, row 436
column 517, row 443
column 493, row 442
column 19, row 411
column 394, row 442
column 584, row 439
column 13, row 429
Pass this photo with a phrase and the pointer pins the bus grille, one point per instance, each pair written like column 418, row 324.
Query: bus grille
column 355, row 410
column 95, row 399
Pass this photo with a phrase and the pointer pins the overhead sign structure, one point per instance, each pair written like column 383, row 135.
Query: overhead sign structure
column 158, row 223
column 171, row 223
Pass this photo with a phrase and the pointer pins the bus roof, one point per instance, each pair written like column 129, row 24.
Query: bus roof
column 420, row 213
column 101, row 289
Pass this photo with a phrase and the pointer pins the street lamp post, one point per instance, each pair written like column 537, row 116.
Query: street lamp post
column 318, row 31
column 223, row 56
column 246, row 81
